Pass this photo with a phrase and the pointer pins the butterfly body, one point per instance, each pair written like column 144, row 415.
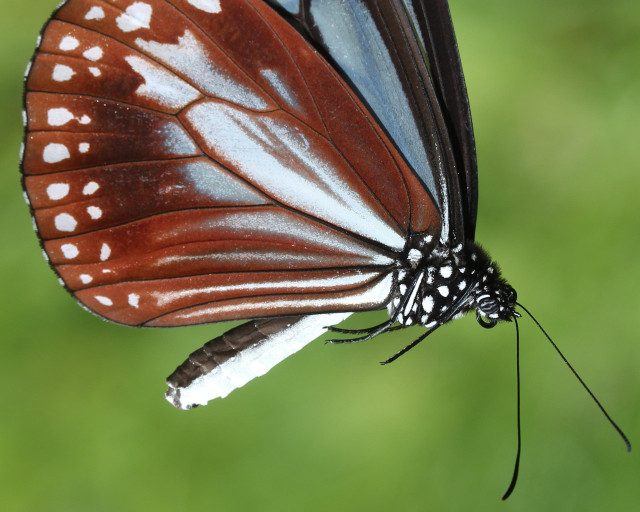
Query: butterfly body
column 449, row 283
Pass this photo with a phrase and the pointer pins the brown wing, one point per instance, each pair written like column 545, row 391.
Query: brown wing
column 197, row 161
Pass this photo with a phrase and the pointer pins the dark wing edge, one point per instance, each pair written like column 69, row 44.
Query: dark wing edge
column 433, row 17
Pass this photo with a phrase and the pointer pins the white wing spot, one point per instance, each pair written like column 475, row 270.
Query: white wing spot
column 65, row 222
column 85, row 278
column 70, row 251
column 94, row 212
column 105, row 301
column 210, row 6
column 94, row 54
column 57, row 191
column 62, row 73
column 68, row 43
column 58, row 116
column 54, row 153
column 137, row 16
column 83, row 147
column 443, row 290
column 446, row 271
column 462, row 285
column 94, row 71
column 90, row 188
column 85, row 119
column 95, row 13
column 134, row 299
column 105, row 252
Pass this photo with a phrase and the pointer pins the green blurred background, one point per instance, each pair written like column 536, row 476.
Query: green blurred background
column 555, row 95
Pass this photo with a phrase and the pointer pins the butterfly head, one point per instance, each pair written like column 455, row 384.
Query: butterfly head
column 494, row 301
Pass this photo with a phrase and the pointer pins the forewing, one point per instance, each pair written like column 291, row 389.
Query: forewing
column 195, row 161
column 401, row 57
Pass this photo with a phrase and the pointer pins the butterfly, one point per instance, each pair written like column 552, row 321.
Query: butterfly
column 193, row 161
column 288, row 163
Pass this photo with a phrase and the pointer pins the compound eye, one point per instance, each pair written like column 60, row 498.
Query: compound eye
column 489, row 305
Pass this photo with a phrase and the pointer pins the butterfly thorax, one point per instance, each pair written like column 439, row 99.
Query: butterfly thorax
column 442, row 283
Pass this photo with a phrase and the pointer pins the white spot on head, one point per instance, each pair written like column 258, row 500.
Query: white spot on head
column 94, row 71
column 105, row 252
column 94, row 212
column 85, row 278
column 65, row 222
column 85, row 119
column 443, row 290
column 90, row 188
column 427, row 304
column 210, row 6
column 70, row 251
column 68, row 43
column 414, row 257
column 137, row 16
column 134, row 299
column 57, row 191
column 95, row 13
column 54, row 153
column 62, row 73
column 474, row 256
column 83, row 147
column 446, row 271
column 58, row 116
column 94, row 53
column 105, row 301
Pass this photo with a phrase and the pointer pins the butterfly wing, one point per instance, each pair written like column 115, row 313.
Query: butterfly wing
column 190, row 162
column 402, row 59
